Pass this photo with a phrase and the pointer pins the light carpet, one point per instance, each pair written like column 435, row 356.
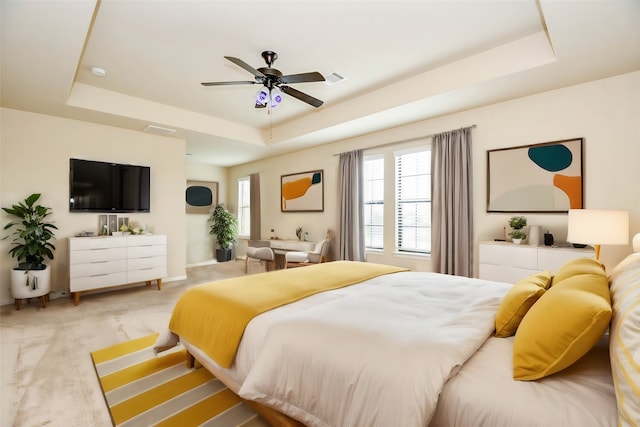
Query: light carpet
column 145, row 389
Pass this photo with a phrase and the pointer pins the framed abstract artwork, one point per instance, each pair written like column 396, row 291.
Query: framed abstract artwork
column 536, row 178
column 201, row 196
column 302, row 192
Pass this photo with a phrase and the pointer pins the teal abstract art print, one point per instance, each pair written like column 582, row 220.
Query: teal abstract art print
column 536, row 178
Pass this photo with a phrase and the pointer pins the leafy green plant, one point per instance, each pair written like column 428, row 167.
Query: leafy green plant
column 517, row 234
column 32, row 232
column 224, row 226
column 517, row 222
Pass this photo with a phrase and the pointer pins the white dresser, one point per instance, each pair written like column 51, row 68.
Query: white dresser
column 102, row 262
column 507, row 262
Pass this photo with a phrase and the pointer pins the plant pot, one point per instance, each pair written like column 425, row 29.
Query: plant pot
column 223, row 255
column 516, row 241
column 30, row 283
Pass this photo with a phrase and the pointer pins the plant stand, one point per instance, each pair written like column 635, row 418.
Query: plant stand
column 27, row 284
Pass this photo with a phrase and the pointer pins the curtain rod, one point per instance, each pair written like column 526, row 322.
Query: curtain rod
column 386, row 144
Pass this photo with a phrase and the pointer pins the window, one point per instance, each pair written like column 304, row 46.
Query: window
column 413, row 200
column 244, row 207
column 374, row 202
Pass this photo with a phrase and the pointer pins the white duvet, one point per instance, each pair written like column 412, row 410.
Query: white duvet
column 372, row 354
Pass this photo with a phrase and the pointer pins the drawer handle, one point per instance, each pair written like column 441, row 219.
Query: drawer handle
column 98, row 262
column 98, row 275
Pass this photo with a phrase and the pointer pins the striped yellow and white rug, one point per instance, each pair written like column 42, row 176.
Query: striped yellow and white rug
column 142, row 389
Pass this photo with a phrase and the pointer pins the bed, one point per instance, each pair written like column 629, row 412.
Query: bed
column 391, row 347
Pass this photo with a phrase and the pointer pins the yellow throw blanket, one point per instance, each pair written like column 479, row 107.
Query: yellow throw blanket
column 213, row 316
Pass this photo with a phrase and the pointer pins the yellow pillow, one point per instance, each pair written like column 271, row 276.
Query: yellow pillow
column 563, row 325
column 575, row 267
column 518, row 301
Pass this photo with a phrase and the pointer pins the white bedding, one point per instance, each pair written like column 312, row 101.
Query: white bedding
column 483, row 393
column 375, row 354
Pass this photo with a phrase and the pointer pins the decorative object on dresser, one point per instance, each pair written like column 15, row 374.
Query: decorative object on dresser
column 224, row 226
column 598, row 227
column 517, row 223
column 535, row 178
column 506, row 262
column 31, row 245
column 535, row 235
column 103, row 262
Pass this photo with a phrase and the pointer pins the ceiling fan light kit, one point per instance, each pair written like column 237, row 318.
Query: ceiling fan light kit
column 274, row 82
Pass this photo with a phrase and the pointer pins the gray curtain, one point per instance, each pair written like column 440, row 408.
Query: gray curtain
column 351, row 235
column 452, row 203
column 255, row 231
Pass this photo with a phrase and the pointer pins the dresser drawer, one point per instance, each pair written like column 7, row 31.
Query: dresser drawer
column 77, row 284
column 79, row 243
column 97, row 255
column 146, row 240
column 147, row 274
column 146, row 251
column 97, row 268
column 501, row 273
column 519, row 257
column 552, row 259
column 145, row 263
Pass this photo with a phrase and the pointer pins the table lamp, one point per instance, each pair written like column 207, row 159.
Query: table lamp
column 598, row 227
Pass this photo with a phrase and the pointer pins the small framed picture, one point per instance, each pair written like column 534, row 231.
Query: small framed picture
column 103, row 225
column 113, row 223
column 123, row 220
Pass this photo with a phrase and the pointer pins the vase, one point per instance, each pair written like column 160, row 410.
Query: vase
column 535, row 235
column 30, row 284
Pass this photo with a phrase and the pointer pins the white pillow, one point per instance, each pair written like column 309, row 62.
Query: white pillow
column 624, row 345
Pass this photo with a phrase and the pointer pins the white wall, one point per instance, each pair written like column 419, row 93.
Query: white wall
column 603, row 112
column 34, row 155
column 201, row 244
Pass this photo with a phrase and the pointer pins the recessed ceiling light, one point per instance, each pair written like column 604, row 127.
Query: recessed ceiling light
column 97, row 71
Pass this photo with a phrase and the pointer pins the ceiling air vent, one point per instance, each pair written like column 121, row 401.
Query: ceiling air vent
column 334, row 78
column 158, row 130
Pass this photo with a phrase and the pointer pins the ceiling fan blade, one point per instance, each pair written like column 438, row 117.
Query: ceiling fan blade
column 302, row 78
column 247, row 82
column 301, row 96
column 242, row 64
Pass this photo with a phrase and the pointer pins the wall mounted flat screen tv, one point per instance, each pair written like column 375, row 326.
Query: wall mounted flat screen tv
column 108, row 187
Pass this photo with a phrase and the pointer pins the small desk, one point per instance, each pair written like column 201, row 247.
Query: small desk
column 281, row 247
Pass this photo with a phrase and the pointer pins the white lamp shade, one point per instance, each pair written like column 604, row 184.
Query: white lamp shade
column 598, row 227
column 262, row 96
column 276, row 97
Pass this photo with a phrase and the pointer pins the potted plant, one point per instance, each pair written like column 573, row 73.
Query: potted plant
column 517, row 223
column 224, row 226
column 32, row 235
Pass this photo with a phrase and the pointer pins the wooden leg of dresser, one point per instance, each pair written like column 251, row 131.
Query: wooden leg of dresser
column 18, row 303
column 76, row 298
column 159, row 284
column 43, row 301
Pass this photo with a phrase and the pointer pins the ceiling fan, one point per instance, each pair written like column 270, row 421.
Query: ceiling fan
column 273, row 82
